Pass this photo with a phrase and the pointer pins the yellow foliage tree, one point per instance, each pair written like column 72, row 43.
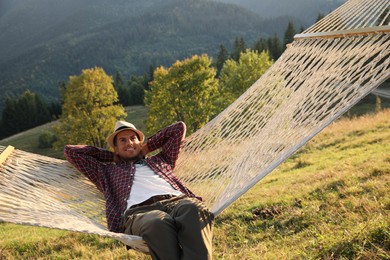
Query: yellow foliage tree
column 237, row 76
column 89, row 109
column 185, row 92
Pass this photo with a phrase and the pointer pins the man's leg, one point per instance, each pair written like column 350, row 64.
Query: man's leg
column 158, row 230
column 194, row 228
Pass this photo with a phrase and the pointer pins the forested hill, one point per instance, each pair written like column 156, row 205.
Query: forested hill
column 306, row 10
column 42, row 42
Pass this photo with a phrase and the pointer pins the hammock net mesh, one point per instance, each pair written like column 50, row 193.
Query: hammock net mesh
column 324, row 72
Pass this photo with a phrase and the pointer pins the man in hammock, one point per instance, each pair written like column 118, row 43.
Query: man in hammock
column 143, row 196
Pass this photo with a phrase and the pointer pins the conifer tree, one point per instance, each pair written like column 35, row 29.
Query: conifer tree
column 261, row 45
column 275, row 47
column 223, row 55
column 9, row 124
column 122, row 90
column 149, row 77
column 238, row 47
column 23, row 113
column 289, row 34
column 319, row 17
column 136, row 90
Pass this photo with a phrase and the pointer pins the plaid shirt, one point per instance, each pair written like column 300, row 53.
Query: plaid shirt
column 115, row 180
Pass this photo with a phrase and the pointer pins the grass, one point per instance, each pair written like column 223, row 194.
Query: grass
column 28, row 140
column 330, row 200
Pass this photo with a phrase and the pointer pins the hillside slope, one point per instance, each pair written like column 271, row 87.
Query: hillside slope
column 329, row 201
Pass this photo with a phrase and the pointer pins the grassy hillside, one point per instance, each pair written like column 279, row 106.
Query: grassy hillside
column 329, row 201
column 28, row 140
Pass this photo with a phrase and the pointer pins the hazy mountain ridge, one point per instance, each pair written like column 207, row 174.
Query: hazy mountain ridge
column 306, row 10
column 130, row 42
column 42, row 21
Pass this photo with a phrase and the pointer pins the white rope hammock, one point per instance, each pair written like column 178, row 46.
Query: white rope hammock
column 382, row 92
column 324, row 72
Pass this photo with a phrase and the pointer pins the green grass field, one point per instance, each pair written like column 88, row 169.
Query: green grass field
column 330, row 200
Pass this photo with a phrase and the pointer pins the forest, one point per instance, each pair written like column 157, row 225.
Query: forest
column 30, row 108
column 126, row 36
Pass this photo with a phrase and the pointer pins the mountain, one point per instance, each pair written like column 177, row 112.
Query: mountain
column 306, row 10
column 43, row 42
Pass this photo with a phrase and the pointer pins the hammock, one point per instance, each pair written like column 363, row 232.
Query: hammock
column 324, row 72
column 382, row 92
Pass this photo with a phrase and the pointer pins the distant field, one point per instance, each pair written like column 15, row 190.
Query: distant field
column 330, row 200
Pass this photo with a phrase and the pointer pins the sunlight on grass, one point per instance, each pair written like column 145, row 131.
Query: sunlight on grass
column 330, row 200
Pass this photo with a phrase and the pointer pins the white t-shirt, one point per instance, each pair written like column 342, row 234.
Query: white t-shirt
column 147, row 184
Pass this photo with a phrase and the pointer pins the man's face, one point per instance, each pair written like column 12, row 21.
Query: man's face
column 128, row 147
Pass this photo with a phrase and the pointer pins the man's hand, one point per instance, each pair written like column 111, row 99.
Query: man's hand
column 117, row 159
column 144, row 150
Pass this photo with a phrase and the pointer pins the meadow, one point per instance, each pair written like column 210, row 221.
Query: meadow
column 330, row 200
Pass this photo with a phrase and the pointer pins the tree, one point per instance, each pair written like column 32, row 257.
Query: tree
column 289, row 34
column 261, row 45
column 55, row 109
column 185, row 91
column 223, row 55
column 89, row 111
column 149, row 77
column 122, row 90
column 237, row 77
column 238, row 47
column 9, row 124
column 319, row 17
column 136, row 89
column 275, row 47
column 23, row 113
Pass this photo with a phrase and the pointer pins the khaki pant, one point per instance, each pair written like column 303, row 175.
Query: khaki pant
column 176, row 228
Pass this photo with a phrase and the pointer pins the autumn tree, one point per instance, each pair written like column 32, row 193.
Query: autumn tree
column 237, row 77
column 89, row 109
column 185, row 91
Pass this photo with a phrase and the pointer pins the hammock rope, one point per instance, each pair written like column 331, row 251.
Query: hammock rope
column 382, row 91
column 324, row 72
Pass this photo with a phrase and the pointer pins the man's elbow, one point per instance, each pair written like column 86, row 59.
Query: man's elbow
column 183, row 127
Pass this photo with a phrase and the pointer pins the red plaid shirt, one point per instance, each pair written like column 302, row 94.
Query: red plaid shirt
column 115, row 180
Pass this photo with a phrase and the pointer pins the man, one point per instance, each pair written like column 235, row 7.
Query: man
column 143, row 196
